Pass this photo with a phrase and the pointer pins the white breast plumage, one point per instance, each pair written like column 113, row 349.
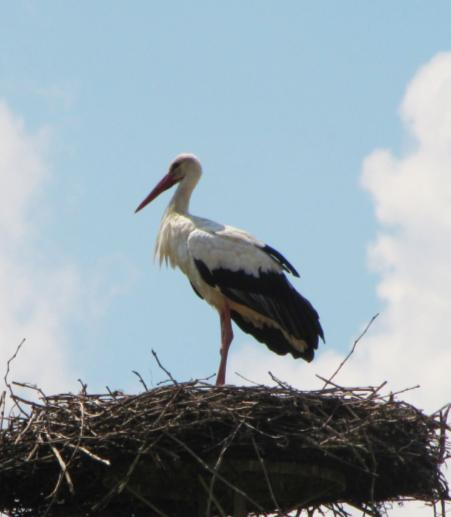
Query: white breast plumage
column 171, row 245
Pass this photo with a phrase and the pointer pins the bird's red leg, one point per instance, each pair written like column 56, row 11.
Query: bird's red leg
column 226, row 340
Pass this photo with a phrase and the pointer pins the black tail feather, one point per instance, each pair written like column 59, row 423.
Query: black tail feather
column 272, row 337
column 287, row 313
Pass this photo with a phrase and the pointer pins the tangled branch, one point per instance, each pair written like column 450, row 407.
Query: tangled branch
column 189, row 447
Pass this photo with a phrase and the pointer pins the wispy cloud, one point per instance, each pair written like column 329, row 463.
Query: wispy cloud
column 62, row 95
column 36, row 298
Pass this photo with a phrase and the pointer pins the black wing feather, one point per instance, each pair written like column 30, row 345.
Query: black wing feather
column 196, row 291
column 271, row 295
column 280, row 259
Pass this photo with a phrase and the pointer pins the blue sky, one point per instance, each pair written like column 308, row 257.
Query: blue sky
column 282, row 102
column 323, row 129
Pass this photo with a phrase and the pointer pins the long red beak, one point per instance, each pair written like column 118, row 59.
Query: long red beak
column 163, row 185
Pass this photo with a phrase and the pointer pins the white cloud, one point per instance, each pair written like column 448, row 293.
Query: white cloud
column 412, row 252
column 409, row 344
column 22, row 171
column 36, row 298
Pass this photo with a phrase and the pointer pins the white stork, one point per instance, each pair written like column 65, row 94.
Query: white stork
column 242, row 277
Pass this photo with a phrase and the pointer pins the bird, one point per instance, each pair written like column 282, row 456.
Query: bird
column 243, row 278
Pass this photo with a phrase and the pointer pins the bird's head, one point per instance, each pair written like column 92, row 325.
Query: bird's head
column 185, row 167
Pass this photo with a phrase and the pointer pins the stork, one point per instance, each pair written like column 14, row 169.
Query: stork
column 242, row 277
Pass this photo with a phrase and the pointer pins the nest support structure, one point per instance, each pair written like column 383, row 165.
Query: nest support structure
column 195, row 450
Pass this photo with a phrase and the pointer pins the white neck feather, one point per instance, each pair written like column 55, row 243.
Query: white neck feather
column 181, row 198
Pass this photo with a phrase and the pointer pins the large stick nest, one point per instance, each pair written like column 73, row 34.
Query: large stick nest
column 192, row 449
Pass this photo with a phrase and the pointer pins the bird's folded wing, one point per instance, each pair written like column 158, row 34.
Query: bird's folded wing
column 233, row 250
column 247, row 275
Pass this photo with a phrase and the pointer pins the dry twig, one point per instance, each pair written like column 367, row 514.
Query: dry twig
column 340, row 366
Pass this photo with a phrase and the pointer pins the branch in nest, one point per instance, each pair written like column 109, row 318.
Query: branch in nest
column 340, row 366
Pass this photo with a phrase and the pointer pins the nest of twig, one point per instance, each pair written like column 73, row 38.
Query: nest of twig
column 192, row 449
